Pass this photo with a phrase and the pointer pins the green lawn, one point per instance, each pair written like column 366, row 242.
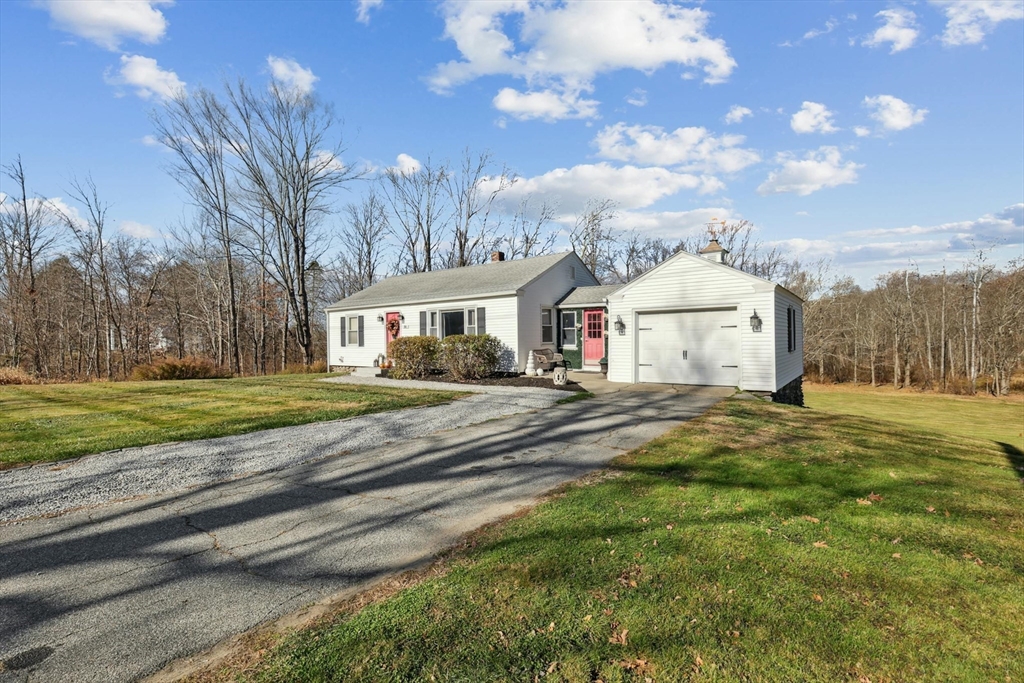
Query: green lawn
column 987, row 418
column 758, row 543
column 54, row 421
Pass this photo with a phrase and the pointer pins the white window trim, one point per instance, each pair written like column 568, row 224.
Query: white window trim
column 551, row 324
column 575, row 330
column 434, row 323
column 466, row 327
column 353, row 328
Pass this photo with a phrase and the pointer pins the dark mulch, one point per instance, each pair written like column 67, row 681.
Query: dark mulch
column 507, row 380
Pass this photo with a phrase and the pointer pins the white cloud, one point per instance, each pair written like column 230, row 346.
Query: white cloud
column 830, row 26
column 146, row 77
column 813, row 117
column 670, row 225
column 892, row 113
column 861, row 131
column 817, row 170
column 691, row 149
column 138, row 230
column 363, row 8
column 629, row 186
column 899, row 29
column 737, row 114
column 969, row 21
column 406, row 164
column 638, row 98
column 291, row 74
column 548, row 105
column 108, row 22
column 561, row 48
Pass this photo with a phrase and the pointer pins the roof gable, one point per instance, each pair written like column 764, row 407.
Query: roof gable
column 488, row 279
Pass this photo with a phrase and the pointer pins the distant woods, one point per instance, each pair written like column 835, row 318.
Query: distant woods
column 272, row 231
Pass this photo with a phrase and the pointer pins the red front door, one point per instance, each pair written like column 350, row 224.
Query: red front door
column 392, row 326
column 593, row 337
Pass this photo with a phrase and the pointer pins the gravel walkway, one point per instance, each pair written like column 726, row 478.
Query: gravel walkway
column 132, row 473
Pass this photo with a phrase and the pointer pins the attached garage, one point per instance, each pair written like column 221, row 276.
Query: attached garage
column 695, row 320
column 689, row 347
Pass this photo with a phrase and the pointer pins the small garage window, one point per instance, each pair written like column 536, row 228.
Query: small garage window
column 791, row 329
column 569, row 328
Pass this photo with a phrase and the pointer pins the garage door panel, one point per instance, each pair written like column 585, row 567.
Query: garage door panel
column 689, row 347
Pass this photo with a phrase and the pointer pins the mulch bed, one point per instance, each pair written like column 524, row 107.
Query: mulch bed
column 544, row 382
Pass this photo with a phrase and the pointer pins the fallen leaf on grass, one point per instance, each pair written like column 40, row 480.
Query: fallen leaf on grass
column 861, row 501
column 619, row 638
column 588, row 617
column 930, row 509
column 552, row 667
column 875, row 497
column 820, row 544
column 817, row 598
column 669, row 527
column 897, row 555
column 892, row 474
column 897, row 540
column 812, row 520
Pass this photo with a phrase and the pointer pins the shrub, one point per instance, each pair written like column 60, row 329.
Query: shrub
column 413, row 357
column 15, row 376
column 186, row 368
column 316, row 367
column 470, row 356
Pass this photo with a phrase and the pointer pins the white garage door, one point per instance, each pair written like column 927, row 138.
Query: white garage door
column 690, row 347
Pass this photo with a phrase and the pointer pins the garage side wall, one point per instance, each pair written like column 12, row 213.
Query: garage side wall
column 789, row 364
column 500, row 322
column 687, row 283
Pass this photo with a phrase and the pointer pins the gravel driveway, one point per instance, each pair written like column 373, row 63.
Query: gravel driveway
column 130, row 473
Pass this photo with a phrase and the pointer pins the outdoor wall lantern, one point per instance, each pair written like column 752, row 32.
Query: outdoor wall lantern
column 380, row 317
column 755, row 322
column 401, row 317
column 619, row 325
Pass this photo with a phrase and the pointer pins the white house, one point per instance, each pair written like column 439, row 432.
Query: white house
column 690, row 320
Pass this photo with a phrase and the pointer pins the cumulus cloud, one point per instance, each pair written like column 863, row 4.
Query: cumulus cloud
column 670, row 225
column 969, row 21
column 817, row 170
column 406, row 164
column 363, row 8
column 138, row 230
column 108, row 22
column 291, row 74
column 861, row 131
column 892, row 113
column 737, row 113
column 813, row 117
column 547, row 105
column 692, row 149
column 146, row 77
column 561, row 48
column 630, row 187
column 898, row 29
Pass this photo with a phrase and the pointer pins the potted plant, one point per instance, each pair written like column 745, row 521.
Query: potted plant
column 604, row 365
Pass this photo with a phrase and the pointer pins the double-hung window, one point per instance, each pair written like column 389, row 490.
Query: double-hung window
column 353, row 331
column 791, row 329
column 569, row 328
column 432, row 323
column 547, row 326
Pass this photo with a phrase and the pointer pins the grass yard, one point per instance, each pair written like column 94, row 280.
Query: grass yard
column 983, row 417
column 758, row 543
column 54, row 421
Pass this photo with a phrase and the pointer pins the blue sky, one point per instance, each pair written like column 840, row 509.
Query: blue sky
column 875, row 134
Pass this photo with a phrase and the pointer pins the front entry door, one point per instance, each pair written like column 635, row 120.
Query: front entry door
column 593, row 337
column 392, row 326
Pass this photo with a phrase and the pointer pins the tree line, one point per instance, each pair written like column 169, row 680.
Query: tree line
column 267, row 239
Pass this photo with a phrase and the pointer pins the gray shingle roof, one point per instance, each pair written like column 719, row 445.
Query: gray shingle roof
column 500, row 277
column 588, row 295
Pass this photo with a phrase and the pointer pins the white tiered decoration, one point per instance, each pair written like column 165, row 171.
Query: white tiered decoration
column 531, row 369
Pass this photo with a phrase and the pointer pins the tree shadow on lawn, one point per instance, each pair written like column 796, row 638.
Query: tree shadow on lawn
column 1016, row 458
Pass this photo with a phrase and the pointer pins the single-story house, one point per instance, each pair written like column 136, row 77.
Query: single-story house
column 690, row 320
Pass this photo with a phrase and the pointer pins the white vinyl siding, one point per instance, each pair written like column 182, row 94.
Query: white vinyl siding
column 500, row 321
column 789, row 364
column 543, row 293
column 689, row 283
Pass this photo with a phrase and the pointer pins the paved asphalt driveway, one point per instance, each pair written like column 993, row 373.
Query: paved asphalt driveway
column 116, row 592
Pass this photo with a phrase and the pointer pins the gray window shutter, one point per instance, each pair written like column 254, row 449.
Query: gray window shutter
column 423, row 323
column 481, row 321
column 360, row 330
column 344, row 337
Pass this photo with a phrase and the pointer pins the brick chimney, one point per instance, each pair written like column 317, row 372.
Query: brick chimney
column 497, row 256
column 714, row 252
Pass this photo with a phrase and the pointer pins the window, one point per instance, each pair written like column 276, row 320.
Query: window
column 353, row 331
column 432, row 323
column 572, row 272
column 791, row 329
column 453, row 322
column 470, row 321
column 547, row 327
column 569, row 328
